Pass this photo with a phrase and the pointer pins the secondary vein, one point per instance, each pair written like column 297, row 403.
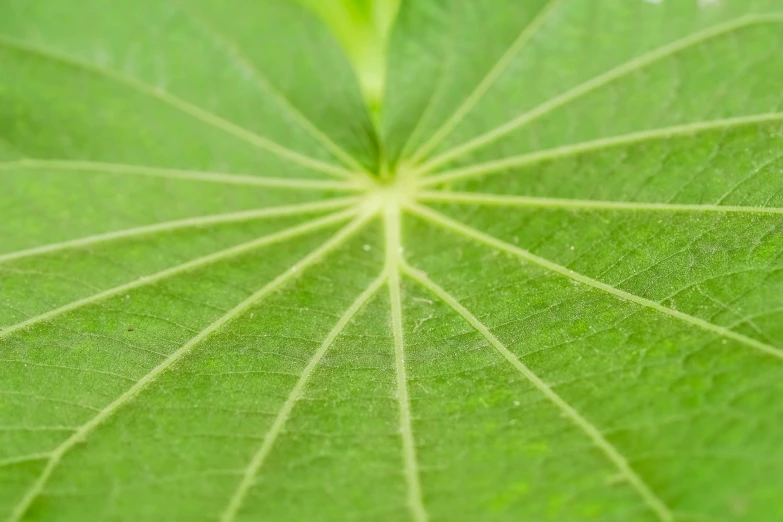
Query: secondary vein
column 476, row 235
column 168, row 226
column 262, row 82
column 180, row 174
column 597, row 82
column 180, row 104
column 84, row 431
column 612, row 453
column 31, row 457
column 565, row 151
column 258, row 459
column 190, row 265
column 487, row 82
column 542, row 202
column 392, row 230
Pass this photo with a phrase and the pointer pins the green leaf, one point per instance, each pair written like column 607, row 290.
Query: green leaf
column 544, row 282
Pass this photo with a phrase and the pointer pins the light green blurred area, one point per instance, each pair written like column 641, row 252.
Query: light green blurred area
column 363, row 28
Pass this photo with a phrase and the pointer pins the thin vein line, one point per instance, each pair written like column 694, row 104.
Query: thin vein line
column 540, row 202
column 251, row 472
column 67, row 368
column 445, row 65
column 200, row 114
column 595, row 145
column 83, row 432
column 392, row 230
column 599, row 81
column 181, row 174
column 489, row 80
column 190, row 265
column 612, row 453
column 234, row 51
column 232, row 217
column 440, row 219
column 47, row 399
column 32, row 457
column 37, row 428
column 426, row 114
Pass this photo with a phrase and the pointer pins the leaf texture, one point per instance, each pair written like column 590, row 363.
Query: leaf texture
column 543, row 282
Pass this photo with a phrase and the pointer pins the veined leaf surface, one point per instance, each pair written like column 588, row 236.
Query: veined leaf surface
column 543, row 280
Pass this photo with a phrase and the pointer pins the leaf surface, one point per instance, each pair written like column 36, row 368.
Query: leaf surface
column 542, row 281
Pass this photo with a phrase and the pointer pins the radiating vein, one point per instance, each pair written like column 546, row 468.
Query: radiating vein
column 258, row 459
column 48, row 399
column 194, row 111
column 600, row 81
column 392, row 230
column 487, row 82
column 565, row 151
column 541, row 202
column 84, row 431
column 426, row 114
column 606, row 447
column 36, row 428
column 67, row 368
column 231, row 217
column 190, row 265
column 476, row 235
column 445, row 64
column 245, row 64
column 180, row 174
column 32, row 457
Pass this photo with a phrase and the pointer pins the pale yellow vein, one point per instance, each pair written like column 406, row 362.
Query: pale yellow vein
column 565, row 151
column 595, row 435
column 600, row 81
column 180, row 104
column 181, row 174
column 542, row 202
column 392, row 230
column 21, row 459
column 168, row 226
column 36, row 428
column 472, row 233
column 487, row 82
column 84, row 431
column 236, row 53
column 28, row 364
column 258, row 459
column 190, row 265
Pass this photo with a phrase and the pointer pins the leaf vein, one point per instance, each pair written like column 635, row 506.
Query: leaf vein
column 84, row 431
column 528, row 32
column 565, row 151
column 392, row 230
column 278, row 425
column 180, row 104
column 168, row 226
column 198, row 262
column 180, row 174
column 262, row 82
column 469, row 232
column 544, row 202
column 612, row 453
column 599, row 81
